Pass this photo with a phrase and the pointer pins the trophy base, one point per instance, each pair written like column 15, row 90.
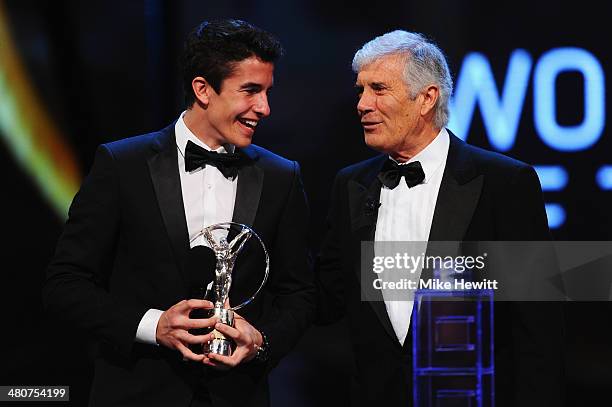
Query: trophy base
column 221, row 345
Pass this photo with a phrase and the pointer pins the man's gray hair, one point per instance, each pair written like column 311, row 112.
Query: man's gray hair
column 425, row 65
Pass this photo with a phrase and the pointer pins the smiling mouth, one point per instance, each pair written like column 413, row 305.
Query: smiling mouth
column 251, row 124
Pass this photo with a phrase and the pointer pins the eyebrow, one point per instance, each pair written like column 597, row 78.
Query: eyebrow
column 379, row 85
column 255, row 86
column 250, row 85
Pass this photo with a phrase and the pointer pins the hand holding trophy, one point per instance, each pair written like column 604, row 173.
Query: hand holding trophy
column 226, row 254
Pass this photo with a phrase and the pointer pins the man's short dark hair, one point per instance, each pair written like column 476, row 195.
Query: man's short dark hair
column 214, row 47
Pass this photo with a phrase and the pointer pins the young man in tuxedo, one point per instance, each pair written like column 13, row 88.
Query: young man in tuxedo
column 428, row 185
column 121, row 270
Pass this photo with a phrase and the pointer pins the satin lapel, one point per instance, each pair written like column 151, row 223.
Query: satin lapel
column 364, row 197
column 163, row 168
column 248, row 192
column 458, row 196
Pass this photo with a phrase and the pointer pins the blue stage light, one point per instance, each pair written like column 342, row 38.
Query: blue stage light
column 604, row 177
column 501, row 116
column 585, row 134
column 555, row 214
column 552, row 177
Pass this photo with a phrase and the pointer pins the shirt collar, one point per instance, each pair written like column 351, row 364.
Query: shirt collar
column 433, row 156
column 183, row 135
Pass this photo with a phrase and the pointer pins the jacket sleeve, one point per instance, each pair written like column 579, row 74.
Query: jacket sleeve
column 537, row 327
column 293, row 288
column 524, row 216
column 331, row 301
column 75, row 290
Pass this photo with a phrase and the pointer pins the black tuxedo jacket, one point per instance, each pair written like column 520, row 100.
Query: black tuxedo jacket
column 484, row 196
column 123, row 252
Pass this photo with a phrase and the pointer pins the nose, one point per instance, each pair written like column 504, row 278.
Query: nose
column 365, row 103
column 261, row 107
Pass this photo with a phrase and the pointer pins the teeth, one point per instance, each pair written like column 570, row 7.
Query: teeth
column 251, row 123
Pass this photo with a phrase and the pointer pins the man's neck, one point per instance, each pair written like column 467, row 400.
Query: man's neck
column 416, row 144
column 195, row 122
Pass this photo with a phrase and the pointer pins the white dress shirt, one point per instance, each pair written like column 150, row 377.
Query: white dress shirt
column 208, row 198
column 405, row 214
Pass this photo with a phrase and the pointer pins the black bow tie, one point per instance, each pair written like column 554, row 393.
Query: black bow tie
column 197, row 157
column 392, row 173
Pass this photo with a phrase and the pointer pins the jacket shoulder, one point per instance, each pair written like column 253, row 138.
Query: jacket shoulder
column 134, row 146
column 498, row 166
column 269, row 159
column 361, row 168
column 500, row 170
column 493, row 159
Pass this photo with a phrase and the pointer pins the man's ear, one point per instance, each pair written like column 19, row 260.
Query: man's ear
column 201, row 90
column 430, row 98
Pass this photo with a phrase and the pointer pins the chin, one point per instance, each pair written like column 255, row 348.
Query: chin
column 375, row 142
column 242, row 142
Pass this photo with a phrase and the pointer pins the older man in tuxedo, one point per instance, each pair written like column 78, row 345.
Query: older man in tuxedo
column 122, row 271
column 428, row 185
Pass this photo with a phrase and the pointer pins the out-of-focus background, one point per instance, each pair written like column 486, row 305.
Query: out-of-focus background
column 531, row 81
